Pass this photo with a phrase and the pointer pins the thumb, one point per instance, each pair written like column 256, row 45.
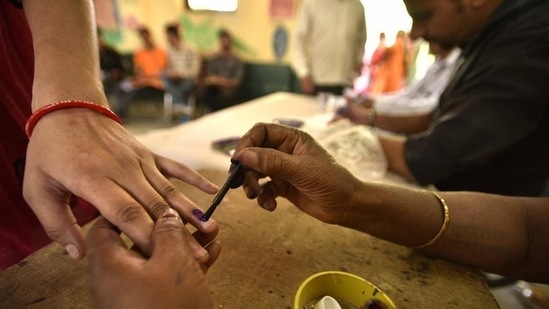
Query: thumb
column 51, row 207
column 60, row 225
column 272, row 162
column 173, row 243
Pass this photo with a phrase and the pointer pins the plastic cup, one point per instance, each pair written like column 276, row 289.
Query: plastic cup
column 350, row 288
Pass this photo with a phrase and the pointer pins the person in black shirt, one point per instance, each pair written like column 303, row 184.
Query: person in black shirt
column 489, row 132
column 223, row 76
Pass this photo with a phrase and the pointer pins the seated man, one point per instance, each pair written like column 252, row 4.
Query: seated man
column 149, row 63
column 224, row 74
column 183, row 68
column 402, row 111
column 489, row 130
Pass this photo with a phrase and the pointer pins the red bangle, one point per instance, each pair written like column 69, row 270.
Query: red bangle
column 46, row 109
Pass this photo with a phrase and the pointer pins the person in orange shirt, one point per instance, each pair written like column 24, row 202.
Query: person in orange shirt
column 391, row 74
column 149, row 63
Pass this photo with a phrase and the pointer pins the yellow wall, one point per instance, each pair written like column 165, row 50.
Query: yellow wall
column 250, row 25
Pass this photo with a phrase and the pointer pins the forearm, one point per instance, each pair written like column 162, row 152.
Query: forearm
column 392, row 213
column 403, row 124
column 394, row 148
column 402, row 103
column 505, row 235
column 66, row 55
column 485, row 231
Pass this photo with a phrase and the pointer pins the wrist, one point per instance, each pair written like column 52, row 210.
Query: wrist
column 367, row 209
column 354, row 211
column 69, row 104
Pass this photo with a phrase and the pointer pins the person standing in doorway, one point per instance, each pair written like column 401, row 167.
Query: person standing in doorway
column 329, row 45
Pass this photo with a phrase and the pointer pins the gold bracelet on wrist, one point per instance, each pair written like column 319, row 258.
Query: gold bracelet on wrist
column 444, row 227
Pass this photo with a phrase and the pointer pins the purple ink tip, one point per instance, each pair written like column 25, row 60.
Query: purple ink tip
column 199, row 214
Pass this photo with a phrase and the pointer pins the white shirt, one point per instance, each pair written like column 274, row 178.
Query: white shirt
column 422, row 96
column 329, row 43
column 184, row 61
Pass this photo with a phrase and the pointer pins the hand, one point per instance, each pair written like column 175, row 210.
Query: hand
column 307, row 85
column 98, row 160
column 170, row 278
column 300, row 170
column 359, row 113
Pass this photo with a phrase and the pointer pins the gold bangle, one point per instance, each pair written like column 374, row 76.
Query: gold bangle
column 444, row 227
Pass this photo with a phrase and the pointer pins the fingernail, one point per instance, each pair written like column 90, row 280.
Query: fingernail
column 268, row 205
column 72, row 251
column 199, row 214
column 251, row 194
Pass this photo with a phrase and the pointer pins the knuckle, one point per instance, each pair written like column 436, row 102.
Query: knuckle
column 130, row 212
column 57, row 233
column 269, row 162
column 157, row 208
column 54, row 233
column 169, row 192
column 171, row 227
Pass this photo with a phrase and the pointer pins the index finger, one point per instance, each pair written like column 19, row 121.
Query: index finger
column 269, row 135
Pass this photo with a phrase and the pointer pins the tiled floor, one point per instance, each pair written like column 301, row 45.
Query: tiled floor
column 508, row 297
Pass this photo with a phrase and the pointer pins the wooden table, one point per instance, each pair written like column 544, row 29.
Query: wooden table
column 265, row 258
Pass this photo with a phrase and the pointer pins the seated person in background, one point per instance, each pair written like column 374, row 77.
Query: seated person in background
column 401, row 111
column 183, row 67
column 504, row 235
column 149, row 63
column 112, row 70
column 223, row 76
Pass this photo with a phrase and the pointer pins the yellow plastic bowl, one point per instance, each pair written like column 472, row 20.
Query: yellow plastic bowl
column 340, row 285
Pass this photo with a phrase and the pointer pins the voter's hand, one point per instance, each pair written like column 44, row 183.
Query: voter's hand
column 170, row 278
